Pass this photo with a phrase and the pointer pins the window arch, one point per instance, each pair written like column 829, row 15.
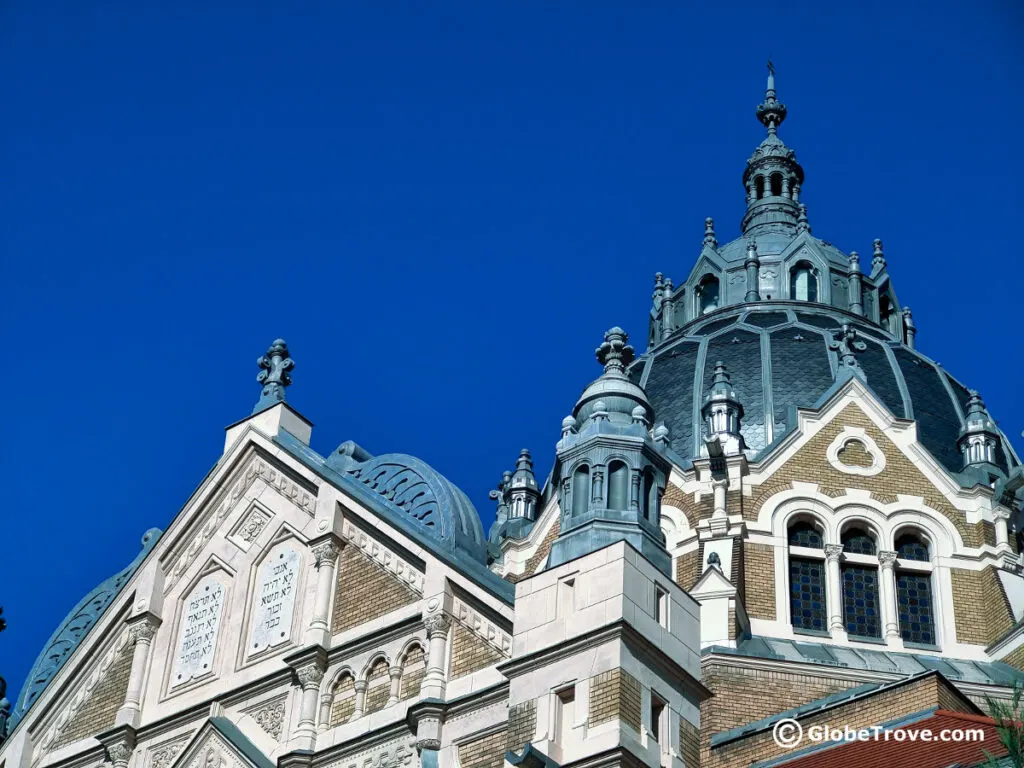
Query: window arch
column 343, row 699
column 807, row 606
column 707, row 294
column 580, row 489
column 378, row 686
column 915, row 603
column 858, row 573
column 776, row 184
column 618, row 486
column 650, row 499
column 758, row 187
column 803, row 284
column 414, row 667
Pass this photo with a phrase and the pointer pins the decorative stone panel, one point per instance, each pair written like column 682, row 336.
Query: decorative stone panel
column 269, row 716
column 365, row 591
column 164, row 754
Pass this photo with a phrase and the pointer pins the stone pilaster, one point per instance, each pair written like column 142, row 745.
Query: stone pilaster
column 309, row 666
column 887, row 582
column 142, row 630
column 325, row 554
column 834, row 589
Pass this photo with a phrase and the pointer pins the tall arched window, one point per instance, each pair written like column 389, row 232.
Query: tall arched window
column 618, row 486
column 803, row 285
column 580, row 489
column 862, row 614
column 707, row 294
column 414, row 667
column 914, row 603
column 758, row 187
column 650, row 499
column 807, row 577
column 776, row 182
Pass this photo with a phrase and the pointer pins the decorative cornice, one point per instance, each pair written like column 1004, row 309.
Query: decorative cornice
column 482, row 627
column 383, row 557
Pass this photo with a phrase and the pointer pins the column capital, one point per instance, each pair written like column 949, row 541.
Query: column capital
column 833, row 551
column 1001, row 513
column 142, row 633
column 325, row 550
column 437, row 624
column 887, row 558
column 360, row 686
column 309, row 674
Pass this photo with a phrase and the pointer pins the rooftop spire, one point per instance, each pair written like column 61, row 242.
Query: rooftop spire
column 274, row 375
column 771, row 112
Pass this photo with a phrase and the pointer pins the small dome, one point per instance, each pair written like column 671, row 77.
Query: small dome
column 613, row 389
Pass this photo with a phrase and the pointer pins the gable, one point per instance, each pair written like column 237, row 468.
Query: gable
column 219, row 743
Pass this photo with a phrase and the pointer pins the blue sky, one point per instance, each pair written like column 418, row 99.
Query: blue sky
column 441, row 206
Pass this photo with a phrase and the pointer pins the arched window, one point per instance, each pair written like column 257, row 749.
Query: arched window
column 803, row 285
column 414, row 667
column 343, row 699
column 707, row 294
column 758, row 187
column 887, row 315
column 914, row 603
column 807, row 577
column 378, row 686
column 862, row 614
column 580, row 489
column 618, row 486
column 776, row 182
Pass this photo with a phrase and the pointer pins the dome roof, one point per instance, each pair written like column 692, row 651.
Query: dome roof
column 778, row 356
column 429, row 500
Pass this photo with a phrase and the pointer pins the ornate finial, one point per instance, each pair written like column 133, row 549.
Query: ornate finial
column 658, row 280
column 525, row 461
column 615, row 353
column 844, row 343
column 771, row 112
column 568, row 425
column 752, row 252
column 709, row 233
column 979, row 435
column 274, row 376
column 854, row 261
column 639, row 415
column 802, row 225
column 878, row 260
column 661, row 435
column 909, row 328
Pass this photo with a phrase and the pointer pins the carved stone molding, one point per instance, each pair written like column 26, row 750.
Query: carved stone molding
column 437, row 624
column 393, row 754
column 142, row 631
column 252, row 525
column 886, row 558
column 483, row 628
column 310, row 674
column 257, row 469
column 269, row 716
column 325, row 552
column 833, row 551
column 164, row 755
column 384, row 557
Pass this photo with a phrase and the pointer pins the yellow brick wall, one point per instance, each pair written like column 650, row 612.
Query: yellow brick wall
column 413, row 670
column 488, row 752
column 522, row 723
column 899, row 476
column 365, row 591
column 343, row 702
column 689, row 743
column 688, row 568
column 882, row 707
column 759, row 580
column 1015, row 658
column 615, row 694
column 538, row 557
column 100, row 708
column 470, row 652
column 981, row 611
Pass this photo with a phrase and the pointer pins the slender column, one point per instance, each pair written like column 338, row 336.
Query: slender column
column 887, row 586
column 834, row 593
column 796, row 193
column 326, row 554
column 324, row 721
column 1002, row 534
column 141, row 633
column 634, row 490
column 437, row 633
column 750, row 190
column 360, row 686
column 785, row 186
column 396, row 682
column 856, row 298
column 753, row 266
column 309, row 674
column 668, row 310
column 719, row 487
column 909, row 329
column 597, row 486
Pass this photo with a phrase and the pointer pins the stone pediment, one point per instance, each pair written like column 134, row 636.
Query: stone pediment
column 220, row 743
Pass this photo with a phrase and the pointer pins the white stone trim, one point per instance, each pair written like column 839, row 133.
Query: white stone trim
column 382, row 556
column 860, row 435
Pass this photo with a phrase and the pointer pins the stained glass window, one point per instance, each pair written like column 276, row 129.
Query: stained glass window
column 858, row 541
column 861, row 612
column 804, row 534
column 807, row 594
column 914, row 603
column 910, row 547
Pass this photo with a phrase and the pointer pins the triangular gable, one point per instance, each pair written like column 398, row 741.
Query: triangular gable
column 712, row 583
column 219, row 743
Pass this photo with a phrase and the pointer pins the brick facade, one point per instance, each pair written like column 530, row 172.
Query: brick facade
column 615, row 694
column 1015, row 658
column 759, row 580
column 689, row 743
column 414, row 668
column 100, row 708
column 470, row 652
column 981, row 610
column 365, row 591
column 343, row 703
column 522, row 723
column 378, row 687
column 488, row 752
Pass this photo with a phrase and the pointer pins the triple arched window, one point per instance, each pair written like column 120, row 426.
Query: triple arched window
column 856, row 587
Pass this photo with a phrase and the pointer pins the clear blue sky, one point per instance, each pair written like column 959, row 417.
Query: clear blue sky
column 441, row 206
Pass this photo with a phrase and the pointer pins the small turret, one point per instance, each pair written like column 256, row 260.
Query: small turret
column 523, row 493
column 710, row 241
column 878, row 258
column 979, row 437
column 723, row 414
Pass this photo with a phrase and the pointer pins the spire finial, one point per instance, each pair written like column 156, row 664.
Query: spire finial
column 771, row 112
column 845, row 342
column 709, row 233
column 802, row 224
column 878, row 260
column 274, row 375
column 615, row 353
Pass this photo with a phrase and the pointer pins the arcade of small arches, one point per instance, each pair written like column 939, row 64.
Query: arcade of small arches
column 379, row 684
column 776, row 184
column 628, row 489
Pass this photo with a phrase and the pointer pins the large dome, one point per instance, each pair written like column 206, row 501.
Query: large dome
column 778, row 356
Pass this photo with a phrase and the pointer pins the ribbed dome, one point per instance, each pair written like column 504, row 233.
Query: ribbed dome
column 778, row 356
